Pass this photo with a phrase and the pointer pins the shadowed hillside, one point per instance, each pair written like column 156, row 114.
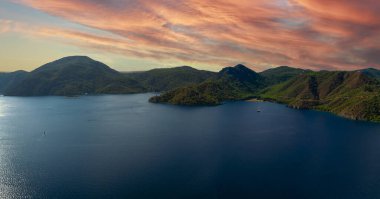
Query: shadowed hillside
column 78, row 75
column 75, row 75
column 8, row 79
column 354, row 95
column 281, row 74
column 170, row 78
column 372, row 72
column 231, row 83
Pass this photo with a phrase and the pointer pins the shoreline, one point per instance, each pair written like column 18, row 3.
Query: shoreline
column 255, row 100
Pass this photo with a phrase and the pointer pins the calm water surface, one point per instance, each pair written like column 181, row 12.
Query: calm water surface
column 124, row 147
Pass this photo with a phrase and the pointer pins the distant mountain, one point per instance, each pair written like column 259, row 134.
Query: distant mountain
column 170, row 78
column 78, row 75
column 74, row 75
column 281, row 74
column 353, row 95
column 7, row 79
column 231, row 83
column 372, row 72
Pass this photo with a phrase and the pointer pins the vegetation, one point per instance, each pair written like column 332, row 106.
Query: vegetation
column 349, row 94
column 165, row 79
column 354, row 95
column 231, row 83
column 281, row 74
column 7, row 79
column 72, row 76
column 371, row 72
column 80, row 75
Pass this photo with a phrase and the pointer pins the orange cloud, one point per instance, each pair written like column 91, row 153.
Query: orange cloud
column 318, row 34
column 4, row 26
column 9, row 26
column 347, row 10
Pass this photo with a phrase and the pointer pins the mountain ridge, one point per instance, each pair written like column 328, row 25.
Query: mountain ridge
column 74, row 75
column 231, row 83
column 351, row 94
column 79, row 75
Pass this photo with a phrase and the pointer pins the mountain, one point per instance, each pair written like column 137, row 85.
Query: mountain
column 231, row 83
column 281, row 74
column 78, row 75
column 371, row 72
column 7, row 79
column 74, row 75
column 353, row 95
column 165, row 79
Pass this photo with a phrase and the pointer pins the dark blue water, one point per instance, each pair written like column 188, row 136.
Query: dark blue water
column 124, row 147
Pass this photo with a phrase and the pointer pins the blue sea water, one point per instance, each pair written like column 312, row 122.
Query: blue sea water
column 121, row 146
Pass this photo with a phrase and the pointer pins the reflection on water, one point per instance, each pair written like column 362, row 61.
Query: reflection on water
column 12, row 183
column 2, row 107
column 124, row 147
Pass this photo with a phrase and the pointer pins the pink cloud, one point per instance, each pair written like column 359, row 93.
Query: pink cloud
column 318, row 34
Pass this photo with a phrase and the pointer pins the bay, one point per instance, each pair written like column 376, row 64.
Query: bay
column 121, row 146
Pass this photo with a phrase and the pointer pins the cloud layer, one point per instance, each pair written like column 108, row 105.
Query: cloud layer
column 317, row 34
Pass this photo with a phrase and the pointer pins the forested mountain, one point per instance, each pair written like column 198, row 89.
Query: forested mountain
column 170, row 78
column 73, row 76
column 231, row 83
column 78, row 75
column 372, row 72
column 352, row 94
column 281, row 74
column 8, row 79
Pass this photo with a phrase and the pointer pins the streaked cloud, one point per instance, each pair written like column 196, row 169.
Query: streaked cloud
column 317, row 34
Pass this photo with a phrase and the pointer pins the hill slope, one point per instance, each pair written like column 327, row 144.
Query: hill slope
column 77, row 75
column 8, row 79
column 165, row 79
column 231, row 83
column 372, row 72
column 281, row 74
column 73, row 76
column 353, row 95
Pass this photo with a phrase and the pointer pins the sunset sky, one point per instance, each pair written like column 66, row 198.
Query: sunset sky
column 132, row 35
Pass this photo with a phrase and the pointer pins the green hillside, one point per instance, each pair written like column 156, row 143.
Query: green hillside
column 165, row 79
column 8, row 79
column 281, row 74
column 231, row 83
column 75, row 75
column 353, row 95
column 78, row 75
column 372, row 72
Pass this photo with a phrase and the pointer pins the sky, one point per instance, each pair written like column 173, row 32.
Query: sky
column 136, row 35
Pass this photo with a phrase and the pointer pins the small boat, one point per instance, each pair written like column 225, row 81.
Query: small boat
column 258, row 110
